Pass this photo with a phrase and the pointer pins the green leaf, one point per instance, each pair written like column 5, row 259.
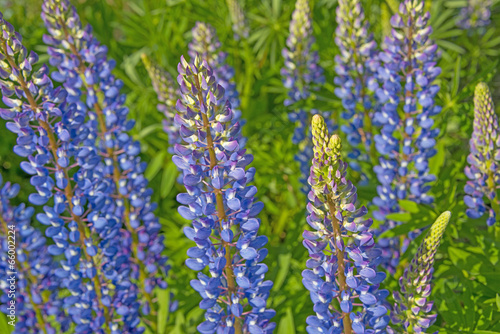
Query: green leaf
column 168, row 179
column 155, row 165
column 498, row 301
column 400, row 217
column 408, row 206
column 4, row 326
column 287, row 325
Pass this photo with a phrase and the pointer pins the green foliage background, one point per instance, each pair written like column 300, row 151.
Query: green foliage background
column 467, row 270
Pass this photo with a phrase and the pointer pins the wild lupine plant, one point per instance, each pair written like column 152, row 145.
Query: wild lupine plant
column 52, row 136
column 483, row 172
column 167, row 92
column 24, row 254
column 342, row 275
column 476, row 14
column 407, row 138
column 220, row 203
column 412, row 308
column 85, row 71
column 356, row 67
column 301, row 75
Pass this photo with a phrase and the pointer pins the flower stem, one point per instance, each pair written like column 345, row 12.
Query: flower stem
column 340, row 260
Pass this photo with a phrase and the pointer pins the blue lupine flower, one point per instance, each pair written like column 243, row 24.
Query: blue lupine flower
column 66, row 169
column 407, row 138
column 476, row 14
column 220, row 203
column 167, row 92
column 206, row 44
column 343, row 261
column 356, row 67
column 484, row 167
column 412, row 308
column 302, row 72
column 85, row 71
column 25, row 256
column 240, row 25
column 301, row 75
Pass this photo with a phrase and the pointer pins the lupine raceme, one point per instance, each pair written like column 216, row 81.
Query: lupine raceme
column 167, row 92
column 220, row 202
column 52, row 133
column 412, row 308
column 301, row 75
column 356, row 78
column 342, row 275
column 85, row 71
column 25, row 255
column 240, row 25
column 407, row 138
column 476, row 14
column 482, row 194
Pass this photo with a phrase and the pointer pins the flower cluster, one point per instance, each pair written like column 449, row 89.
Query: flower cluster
column 51, row 135
column 412, row 306
column 356, row 70
column 85, row 70
column 484, row 167
column 477, row 14
column 25, row 256
column 302, row 74
column 222, row 207
column 407, row 138
column 343, row 260
column 167, row 92
column 240, row 26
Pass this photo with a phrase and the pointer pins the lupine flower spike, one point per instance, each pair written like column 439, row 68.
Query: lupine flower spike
column 476, row 14
column 341, row 275
column 167, row 92
column 356, row 69
column 301, row 75
column 412, row 308
column 85, row 71
column 483, row 171
column 220, row 203
column 25, row 256
column 54, row 137
column 407, row 139
column 240, row 25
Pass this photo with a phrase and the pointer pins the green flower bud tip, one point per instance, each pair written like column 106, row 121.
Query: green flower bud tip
column 435, row 234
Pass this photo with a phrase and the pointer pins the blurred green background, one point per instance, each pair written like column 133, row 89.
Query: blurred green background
column 467, row 271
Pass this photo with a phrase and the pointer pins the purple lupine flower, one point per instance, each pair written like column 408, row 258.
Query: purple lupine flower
column 476, row 14
column 206, row 44
column 356, row 67
column 240, row 25
column 301, row 75
column 85, row 70
column 343, row 261
column 221, row 204
column 412, row 308
column 484, row 167
column 55, row 137
column 302, row 72
column 25, row 256
column 167, row 92
column 407, row 138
